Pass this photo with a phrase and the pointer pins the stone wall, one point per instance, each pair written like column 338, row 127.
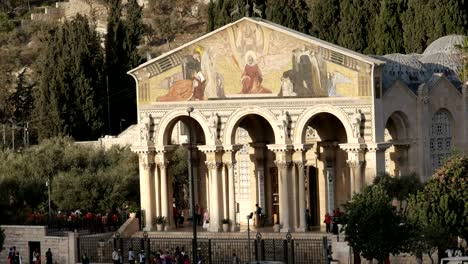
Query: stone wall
column 62, row 248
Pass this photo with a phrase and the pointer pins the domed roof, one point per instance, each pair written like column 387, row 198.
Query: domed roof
column 403, row 67
column 449, row 65
column 441, row 62
column 445, row 45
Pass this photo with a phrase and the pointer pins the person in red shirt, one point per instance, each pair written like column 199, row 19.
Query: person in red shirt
column 327, row 222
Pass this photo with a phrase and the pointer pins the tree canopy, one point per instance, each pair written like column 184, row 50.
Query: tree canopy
column 372, row 226
column 71, row 82
column 82, row 177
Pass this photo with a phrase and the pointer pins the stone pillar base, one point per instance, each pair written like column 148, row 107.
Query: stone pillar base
column 235, row 228
column 285, row 230
column 215, row 230
column 300, row 229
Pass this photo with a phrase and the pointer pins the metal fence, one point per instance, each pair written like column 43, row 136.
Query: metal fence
column 211, row 251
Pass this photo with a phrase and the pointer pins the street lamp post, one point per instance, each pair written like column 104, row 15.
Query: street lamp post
column 249, row 216
column 48, row 191
column 192, row 187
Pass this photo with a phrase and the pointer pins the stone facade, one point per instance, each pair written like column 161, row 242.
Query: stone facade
column 289, row 122
column 62, row 248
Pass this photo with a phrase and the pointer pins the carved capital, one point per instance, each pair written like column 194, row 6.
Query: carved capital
column 228, row 164
column 213, row 164
column 281, row 164
column 353, row 164
column 300, row 164
column 163, row 164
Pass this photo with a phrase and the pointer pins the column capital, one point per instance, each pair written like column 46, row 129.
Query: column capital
column 378, row 147
column 162, row 164
column 279, row 148
column 232, row 148
column 210, row 148
column 211, row 164
column 303, row 147
column 165, row 148
column 300, row 164
column 282, row 164
column 353, row 147
column 353, row 164
column 228, row 164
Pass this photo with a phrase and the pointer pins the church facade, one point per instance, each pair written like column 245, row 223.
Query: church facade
column 290, row 122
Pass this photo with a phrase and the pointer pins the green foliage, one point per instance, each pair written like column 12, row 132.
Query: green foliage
column 122, row 39
column 325, row 16
column 372, row 225
column 388, row 29
column 71, row 83
column 291, row 14
column 6, row 25
column 425, row 21
column 399, row 188
column 179, row 172
column 444, row 200
column 463, row 48
column 82, row 177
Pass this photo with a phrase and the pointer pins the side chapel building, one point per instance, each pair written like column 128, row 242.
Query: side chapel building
column 291, row 122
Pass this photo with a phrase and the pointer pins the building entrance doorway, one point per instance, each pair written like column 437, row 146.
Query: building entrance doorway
column 313, row 186
column 34, row 248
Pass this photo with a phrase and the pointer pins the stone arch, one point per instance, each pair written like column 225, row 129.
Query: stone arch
column 167, row 120
column 236, row 117
column 318, row 109
column 401, row 123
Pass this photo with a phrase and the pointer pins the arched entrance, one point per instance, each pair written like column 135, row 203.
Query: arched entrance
column 326, row 172
column 254, row 169
column 396, row 132
column 172, row 185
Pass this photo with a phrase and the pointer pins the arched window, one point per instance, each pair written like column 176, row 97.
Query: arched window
column 441, row 139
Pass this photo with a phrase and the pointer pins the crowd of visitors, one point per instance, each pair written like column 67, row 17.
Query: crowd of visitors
column 159, row 257
column 76, row 220
column 14, row 257
column 332, row 221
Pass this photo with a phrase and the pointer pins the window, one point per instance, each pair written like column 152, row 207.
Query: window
column 441, row 139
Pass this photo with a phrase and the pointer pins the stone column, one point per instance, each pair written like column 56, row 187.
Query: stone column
column 164, row 191
column 400, row 158
column 228, row 160
column 157, row 191
column 355, row 163
column 375, row 160
column 302, row 202
column 147, row 204
column 215, row 198
column 283, row 162
column 283, row 194
column 224, row 191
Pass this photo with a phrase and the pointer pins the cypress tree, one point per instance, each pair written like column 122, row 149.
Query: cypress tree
column 210, row 23
column 414, row 26
column 289, row 13
column 122, row 40
column 388, row 31
column 70, row 87
column 325, row 16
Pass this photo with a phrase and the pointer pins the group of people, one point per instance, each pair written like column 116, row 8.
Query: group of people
column 455, row 252
column 76, row 220
column 14, row 257
column 160, row 257
column 332, row 221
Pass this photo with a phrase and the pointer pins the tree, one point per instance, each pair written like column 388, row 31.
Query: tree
column 179, row 172
column 22, row 99
column 372, row 225
column 82, row 177
column 356, row 24
column 289, row 13
column 71, row 83
column 399, row 188
column 122, row 39
column 388, row 29
column 325, row 16
column 444, row 200
column 6, row 24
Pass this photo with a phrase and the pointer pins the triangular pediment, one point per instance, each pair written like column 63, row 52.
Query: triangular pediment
column 254, row 57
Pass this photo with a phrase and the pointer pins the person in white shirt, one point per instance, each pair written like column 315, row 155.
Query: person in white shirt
column 141, row 257
column 131, row 256
column 115, row 256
